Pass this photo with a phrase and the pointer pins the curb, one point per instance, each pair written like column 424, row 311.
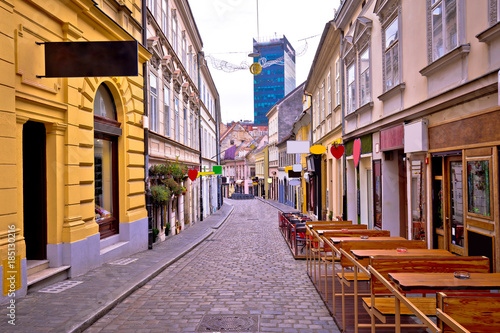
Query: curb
column 278, row 208
column 218, row 225
column 144, row 278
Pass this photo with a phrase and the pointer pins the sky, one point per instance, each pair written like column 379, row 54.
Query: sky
column 227, row 29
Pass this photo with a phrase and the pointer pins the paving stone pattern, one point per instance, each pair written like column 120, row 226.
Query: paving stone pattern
column 243, row 269
column 73, row 309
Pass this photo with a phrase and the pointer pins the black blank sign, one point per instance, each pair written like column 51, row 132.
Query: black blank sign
column 88, row 59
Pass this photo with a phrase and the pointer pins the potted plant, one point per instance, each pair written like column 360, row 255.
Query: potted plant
column 330, row 216
column 161, row 194
column 155, row 234
column 167, row 229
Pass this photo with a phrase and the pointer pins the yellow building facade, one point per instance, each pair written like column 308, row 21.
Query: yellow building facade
column 71, row 149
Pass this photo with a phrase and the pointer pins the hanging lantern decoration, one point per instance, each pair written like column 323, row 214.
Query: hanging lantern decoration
column 255, row 68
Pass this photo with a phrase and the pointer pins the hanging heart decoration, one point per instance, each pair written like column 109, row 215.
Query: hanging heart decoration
column 193, row 173
column 337, row 151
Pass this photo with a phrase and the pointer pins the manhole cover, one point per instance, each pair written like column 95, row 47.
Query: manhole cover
column 229, row 323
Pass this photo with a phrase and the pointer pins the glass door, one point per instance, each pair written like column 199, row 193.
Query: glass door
column 455, row 212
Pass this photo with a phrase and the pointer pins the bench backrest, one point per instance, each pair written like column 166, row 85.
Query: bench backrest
column 348, row 245
column 477, row 312
column 386, row 265
column 328, row 222
column 356, row 233
column 340, row 227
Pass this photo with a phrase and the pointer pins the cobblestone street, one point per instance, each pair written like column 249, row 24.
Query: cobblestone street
column 244, row 271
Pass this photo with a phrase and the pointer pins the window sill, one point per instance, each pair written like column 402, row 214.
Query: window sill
column 451, row 56
column 490, row 34
column 397, row 89
column 362, row 109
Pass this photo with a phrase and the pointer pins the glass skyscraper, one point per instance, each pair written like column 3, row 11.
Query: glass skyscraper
column 275, row 81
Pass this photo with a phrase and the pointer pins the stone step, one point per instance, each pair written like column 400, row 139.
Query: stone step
column 35, row 266
column 47, row 277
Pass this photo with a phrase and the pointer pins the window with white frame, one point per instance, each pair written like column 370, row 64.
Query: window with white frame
column 351, row 88
column 391, row 54
column 176, row 119
column 166, row 110
column 317, row 113
column 152, row 6
column 164, row 17
column 196, row 141
column 174, row 30
column 364, row 77
column 191, row 119
column 184, row 49
column 185, row 126
column 323, row 101
column 444, row 27
column 153, row 98
column 329, row 94
column 337, row 81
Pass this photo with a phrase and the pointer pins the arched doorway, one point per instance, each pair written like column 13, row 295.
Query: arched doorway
column 106, row 133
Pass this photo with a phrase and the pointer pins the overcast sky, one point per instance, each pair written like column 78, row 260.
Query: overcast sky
column 227, row 28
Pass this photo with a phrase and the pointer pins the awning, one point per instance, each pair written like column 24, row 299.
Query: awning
column 239, row 181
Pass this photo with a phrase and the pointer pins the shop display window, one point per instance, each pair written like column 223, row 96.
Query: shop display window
column 478, row 185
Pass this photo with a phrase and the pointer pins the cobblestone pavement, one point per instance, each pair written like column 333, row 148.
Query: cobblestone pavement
column 102, row 288
column 244, row 272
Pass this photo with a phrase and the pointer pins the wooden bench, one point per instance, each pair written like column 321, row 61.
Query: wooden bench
column 345, row 278
column 464, row 312
column 379, row 306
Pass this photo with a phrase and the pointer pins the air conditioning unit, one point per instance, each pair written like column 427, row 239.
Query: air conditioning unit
column 416, row 139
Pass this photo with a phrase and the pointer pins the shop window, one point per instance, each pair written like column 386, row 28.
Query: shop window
column 106, row 133
column 377, row 193
column 478, row 187
column 418, row 202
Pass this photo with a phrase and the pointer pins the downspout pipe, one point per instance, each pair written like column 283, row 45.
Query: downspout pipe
column 146, row 128
column 344, row 161
column 200, row 56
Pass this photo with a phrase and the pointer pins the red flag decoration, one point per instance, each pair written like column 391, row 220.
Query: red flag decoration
column 356, row 151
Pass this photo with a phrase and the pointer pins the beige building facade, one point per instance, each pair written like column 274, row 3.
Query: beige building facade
column 324, row 87
column 420, row 78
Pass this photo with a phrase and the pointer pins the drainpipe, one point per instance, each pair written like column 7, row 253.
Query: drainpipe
column 344, row 161
column 146, row 130
column 311, row 139
column 200, row 56
column 217, row 146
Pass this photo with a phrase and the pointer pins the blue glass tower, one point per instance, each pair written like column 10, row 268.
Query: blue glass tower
column 275, row 81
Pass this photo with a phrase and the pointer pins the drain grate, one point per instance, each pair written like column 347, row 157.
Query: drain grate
column 229, row 323
column 123, row 261
column 59, row 287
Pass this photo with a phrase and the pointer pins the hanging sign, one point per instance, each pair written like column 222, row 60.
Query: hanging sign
column 295, row 182
column 91, row 59
column 317, row 149
column 255, row 68
column 356, row 151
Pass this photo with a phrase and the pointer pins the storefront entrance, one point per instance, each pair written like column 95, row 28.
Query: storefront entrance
column 454, row 212
column 35, row 190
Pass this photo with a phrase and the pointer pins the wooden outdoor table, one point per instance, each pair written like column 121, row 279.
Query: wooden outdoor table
column 363, row 254
column 407, row 282
column 337, row 240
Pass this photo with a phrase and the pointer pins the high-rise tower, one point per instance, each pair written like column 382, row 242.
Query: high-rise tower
column 275, row 81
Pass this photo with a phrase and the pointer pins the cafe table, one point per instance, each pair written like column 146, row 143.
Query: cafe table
column 407, row 282
column 364, row 254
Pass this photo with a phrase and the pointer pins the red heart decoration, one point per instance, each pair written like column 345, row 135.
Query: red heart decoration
column 193, row 173
column 338, row 151
column 356, row 151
